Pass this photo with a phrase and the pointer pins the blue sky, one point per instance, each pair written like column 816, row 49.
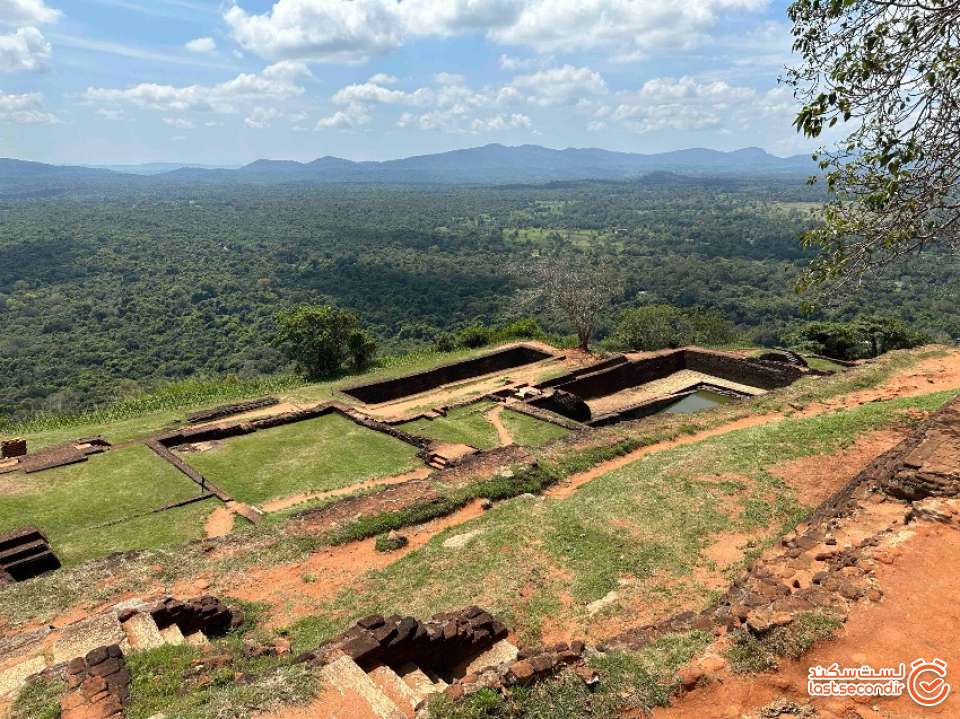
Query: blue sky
column 204, row 81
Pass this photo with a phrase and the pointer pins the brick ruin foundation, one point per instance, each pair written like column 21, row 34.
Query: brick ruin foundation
column 393, row 389
column 569, row 394
column 227, row 410
column 462, row 651
column 98, row 685
column 12, row 448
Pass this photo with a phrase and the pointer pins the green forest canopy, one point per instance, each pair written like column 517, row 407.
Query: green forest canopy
column 101, row 294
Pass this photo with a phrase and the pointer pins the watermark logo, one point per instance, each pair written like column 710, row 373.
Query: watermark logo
column 925, row 682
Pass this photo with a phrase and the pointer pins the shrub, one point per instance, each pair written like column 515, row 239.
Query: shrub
column 656, row 327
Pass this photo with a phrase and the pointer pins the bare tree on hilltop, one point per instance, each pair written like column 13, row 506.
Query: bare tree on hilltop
column 578, row 288
column 889, row 70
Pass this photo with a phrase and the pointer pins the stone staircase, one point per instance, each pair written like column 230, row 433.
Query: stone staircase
column 25, row 554
column 441, row 456
column 386, row 692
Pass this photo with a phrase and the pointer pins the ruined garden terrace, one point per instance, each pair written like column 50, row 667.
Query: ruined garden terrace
column 241, row 462
column 305, row 472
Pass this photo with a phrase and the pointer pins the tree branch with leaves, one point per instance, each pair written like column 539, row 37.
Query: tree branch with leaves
column 890, row 71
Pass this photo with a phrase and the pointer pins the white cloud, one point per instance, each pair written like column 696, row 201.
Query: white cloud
column 447, row 78
column 322, row 30
column 626, row 27
column 513, row 64
column 565, row 85
column 26, row 49
column 202, row 45
column 179, row 123
column 275, row 83
column 24, row 109
column 382, row 78
column 450, row 105
column 353, row 117
column 27, row 12
column 690, row 104
column 355, row 30
column 264, row 117
column 502, row 122
column 112, row 115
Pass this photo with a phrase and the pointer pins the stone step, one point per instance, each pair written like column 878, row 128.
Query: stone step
column 197, row 639
column 172, row 635
column 142, row 632
column 397, row 690
column 503, row 652
column 348, row 679
column 424, row 685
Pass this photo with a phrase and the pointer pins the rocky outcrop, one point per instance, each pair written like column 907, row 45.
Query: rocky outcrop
column 932, row 467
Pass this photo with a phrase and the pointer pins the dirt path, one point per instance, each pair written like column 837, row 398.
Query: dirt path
column 220, row 522
column 278, row 505
column 570, row 485
column 917, row 618
column 936, row 374
column 297, row 590
column 495, row 417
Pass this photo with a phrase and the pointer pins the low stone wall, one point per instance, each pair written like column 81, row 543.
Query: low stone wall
column 606, row 364
column 623, row 376
column 206, row 614
column 226, row 410
column 98, row 685
column 533, row 664
column 393, row 389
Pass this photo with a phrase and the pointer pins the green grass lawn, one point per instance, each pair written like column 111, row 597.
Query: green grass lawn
column 65, row 502
column 463, row 425
column 529, row 431
column 316, row 455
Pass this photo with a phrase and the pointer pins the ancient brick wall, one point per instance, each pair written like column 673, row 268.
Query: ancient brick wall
column 11, row 448
column 392, row 389
column 439, row 644
column 206, row 614
column 98, row 685
column 765, row 375
column 623, row 376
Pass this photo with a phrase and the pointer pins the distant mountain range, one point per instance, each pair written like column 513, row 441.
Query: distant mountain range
column 490, row 164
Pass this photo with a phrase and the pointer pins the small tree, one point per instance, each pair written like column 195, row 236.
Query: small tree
column 832, row 339
column 576, row 287
column 651, row 328
column 319, row 339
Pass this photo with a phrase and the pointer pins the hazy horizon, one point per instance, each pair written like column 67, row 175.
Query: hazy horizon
column 129, row 82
